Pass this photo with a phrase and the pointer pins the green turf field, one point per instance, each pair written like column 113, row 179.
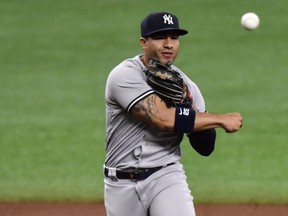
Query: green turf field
column 54, row 60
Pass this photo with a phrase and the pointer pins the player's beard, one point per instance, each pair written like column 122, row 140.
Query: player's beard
column 169, row 63
column 164, row 60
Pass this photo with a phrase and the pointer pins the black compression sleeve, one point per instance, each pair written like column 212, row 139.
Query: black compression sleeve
column 203, row 141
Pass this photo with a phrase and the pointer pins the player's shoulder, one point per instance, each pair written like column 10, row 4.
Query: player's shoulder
column 175, row 68
column 133, row 63
column 130, row 68
column 186, row 78
column 191, row 84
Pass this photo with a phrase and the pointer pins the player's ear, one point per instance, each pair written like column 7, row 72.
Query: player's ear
column 143, row 42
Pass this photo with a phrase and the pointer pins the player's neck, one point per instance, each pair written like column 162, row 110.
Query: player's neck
column 144, row 60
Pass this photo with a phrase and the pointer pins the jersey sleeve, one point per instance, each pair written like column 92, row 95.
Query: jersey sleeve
column 126, row 86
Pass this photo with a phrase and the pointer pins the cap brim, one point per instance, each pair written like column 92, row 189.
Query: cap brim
column 179, row 31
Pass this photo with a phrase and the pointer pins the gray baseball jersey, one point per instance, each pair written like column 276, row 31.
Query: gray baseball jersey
column 131, row 142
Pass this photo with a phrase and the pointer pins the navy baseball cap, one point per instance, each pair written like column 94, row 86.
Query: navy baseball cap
column 159, row 22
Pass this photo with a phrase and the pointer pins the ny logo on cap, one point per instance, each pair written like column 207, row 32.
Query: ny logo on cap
column 168, row 19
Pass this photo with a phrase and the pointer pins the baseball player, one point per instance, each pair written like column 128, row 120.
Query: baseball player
column 143, row 175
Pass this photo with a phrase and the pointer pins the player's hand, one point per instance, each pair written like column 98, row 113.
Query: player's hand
column 232, row 122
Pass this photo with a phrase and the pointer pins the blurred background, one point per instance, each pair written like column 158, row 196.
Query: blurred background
column 55, row 57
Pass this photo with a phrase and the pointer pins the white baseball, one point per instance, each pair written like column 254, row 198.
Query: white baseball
column 250, row 21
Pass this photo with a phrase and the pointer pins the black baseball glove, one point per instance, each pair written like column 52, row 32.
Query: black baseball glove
column 168, row 84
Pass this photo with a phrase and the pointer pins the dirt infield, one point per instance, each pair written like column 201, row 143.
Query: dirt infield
column 97, row 209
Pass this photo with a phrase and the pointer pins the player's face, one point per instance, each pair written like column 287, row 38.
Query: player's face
column 161, row 46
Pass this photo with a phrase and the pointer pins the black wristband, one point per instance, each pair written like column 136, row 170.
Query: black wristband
column 184, row 119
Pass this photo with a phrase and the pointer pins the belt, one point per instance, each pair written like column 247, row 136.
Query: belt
column 135, row 174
